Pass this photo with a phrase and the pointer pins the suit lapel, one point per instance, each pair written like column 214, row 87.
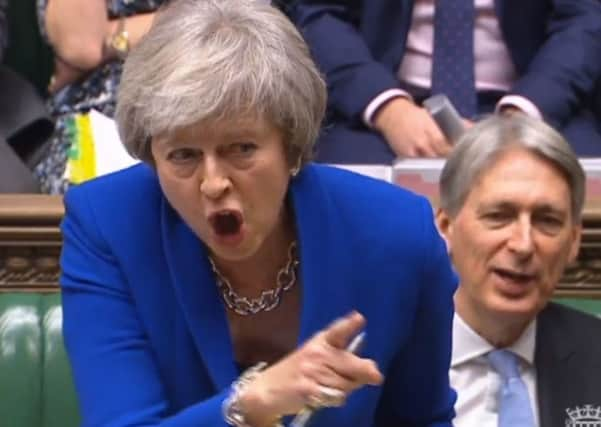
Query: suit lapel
column 198, row 297
column 552, row 358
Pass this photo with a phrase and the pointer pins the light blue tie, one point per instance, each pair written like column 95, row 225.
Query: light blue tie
column 514, row 402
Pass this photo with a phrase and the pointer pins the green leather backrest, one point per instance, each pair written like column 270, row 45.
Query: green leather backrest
column 588, row 305
column 36, row 388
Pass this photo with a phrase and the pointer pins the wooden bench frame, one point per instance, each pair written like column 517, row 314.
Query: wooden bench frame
column 30, row 243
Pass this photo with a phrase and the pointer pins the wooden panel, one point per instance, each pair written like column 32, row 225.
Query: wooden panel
column 583, row 278
column 30, row 243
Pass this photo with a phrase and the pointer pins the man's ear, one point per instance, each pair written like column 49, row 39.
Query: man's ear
column 445, row 227
column 576, row 237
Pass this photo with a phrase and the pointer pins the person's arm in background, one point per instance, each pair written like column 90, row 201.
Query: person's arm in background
column 355, row 79
column 78, row 32
column 564, row 70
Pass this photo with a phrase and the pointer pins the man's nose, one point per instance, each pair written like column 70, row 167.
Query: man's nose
column 214, row 181
column 521, row 242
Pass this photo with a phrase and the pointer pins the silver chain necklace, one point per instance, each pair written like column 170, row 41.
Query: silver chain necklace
column 270, row 298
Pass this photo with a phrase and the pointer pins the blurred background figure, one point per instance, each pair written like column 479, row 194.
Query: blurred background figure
column 90, row 40
column 381, row 58
column 3, row 27
column 25, row 125
column 226, row 287
column 512, row 193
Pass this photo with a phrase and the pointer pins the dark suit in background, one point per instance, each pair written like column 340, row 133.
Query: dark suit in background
column 25, row 126
column 555, row 47
column 568, row 363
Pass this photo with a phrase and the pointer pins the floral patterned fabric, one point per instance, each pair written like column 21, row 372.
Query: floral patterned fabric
column 98, row 90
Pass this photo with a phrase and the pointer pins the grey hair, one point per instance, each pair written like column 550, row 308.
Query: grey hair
column 484, row 143
column 211, row 60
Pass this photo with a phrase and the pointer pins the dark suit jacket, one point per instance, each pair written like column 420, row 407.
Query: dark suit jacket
column 555, row 46
column 146, row 331
column 568, row 363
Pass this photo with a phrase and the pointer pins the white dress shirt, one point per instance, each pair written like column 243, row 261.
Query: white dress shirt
column 477, row 383
column 494, row 69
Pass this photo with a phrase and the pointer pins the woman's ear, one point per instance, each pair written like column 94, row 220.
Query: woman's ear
column 296, row 169
column 444, row 224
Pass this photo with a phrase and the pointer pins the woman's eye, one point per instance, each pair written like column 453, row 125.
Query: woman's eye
column 243, row 149
column 182, row 155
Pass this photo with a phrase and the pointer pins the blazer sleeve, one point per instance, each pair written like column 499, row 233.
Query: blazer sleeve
column 115, row 374
column 353, row 76
column 563, row 72
column 418, row 392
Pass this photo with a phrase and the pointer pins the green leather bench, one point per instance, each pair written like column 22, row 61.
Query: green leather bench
column 36, row 388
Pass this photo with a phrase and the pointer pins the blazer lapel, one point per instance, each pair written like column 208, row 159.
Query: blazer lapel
column 198, row 297
column 324, row 295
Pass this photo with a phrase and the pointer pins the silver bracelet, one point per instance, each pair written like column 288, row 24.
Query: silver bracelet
column 232, row 413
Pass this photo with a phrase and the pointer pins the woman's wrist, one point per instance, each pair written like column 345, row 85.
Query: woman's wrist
column 256, row 408
column 246, row 405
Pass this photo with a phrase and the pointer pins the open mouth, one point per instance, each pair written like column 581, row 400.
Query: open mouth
column 226, row 223
column 515, row 276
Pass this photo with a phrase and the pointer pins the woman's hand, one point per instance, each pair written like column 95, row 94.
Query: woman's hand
column 76, row 30
column 320, row 371
column 64, row 74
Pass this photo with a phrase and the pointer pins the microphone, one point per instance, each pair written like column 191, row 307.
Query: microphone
column 446, row 116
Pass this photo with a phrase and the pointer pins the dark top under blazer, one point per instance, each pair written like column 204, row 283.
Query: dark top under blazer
column 146, row 331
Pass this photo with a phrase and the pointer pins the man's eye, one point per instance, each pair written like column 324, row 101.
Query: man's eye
column 496, row 219
column 550, row 223
column 496, row 216
column 182, row 155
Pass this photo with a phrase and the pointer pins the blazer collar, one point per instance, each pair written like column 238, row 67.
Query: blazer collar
column 325, row 296
column 197, row 292
column 198, row 296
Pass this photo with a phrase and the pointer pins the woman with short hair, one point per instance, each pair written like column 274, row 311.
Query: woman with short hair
column 222, row 281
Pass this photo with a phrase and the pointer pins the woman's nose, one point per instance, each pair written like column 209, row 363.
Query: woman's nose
column 214, row 181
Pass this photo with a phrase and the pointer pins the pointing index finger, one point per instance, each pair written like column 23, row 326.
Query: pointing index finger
column 340, row 333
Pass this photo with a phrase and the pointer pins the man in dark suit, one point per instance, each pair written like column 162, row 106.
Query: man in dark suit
column 511, row 198
column 381, row 58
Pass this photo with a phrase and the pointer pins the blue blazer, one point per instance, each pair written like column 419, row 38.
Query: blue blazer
column 555, row 46
column 146, row 331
